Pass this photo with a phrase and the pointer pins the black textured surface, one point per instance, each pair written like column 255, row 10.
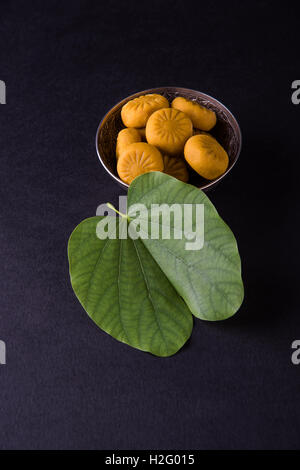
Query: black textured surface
column 67, row 384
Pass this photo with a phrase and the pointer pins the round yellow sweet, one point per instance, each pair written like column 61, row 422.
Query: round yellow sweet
column 126, row 137
column 169, row 129
column 175, row 167
column 206, row 156
column 202, row 118
column 138, row 158
column 136, row 112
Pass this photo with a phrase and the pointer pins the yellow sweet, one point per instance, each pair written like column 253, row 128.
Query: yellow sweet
column 136, row 112
column 206, row 156
column 138, row 158
column 126, row 137
column 169, row 129
column 202, row 118
column 175, row 167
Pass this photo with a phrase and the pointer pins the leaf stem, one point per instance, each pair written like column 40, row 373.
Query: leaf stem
column 125, row 216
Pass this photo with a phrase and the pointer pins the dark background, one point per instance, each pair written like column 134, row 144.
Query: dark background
column 67, row 384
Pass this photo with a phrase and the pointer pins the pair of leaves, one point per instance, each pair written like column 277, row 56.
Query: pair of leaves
column 143, row 292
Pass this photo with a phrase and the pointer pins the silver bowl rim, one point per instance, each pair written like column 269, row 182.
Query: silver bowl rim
column 178, row 89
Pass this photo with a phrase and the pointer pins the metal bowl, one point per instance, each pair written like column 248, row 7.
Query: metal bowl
column 226, row 131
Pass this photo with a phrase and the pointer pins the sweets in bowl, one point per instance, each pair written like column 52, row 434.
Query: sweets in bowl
column 113, row 137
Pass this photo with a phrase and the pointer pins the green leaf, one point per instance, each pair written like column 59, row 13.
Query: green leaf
column 142, row 292
column 125, row 292
column 209, row 280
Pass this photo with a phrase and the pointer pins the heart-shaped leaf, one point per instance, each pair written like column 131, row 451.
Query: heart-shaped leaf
column 142, row 291
column 125, row 292
column 209, row 279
